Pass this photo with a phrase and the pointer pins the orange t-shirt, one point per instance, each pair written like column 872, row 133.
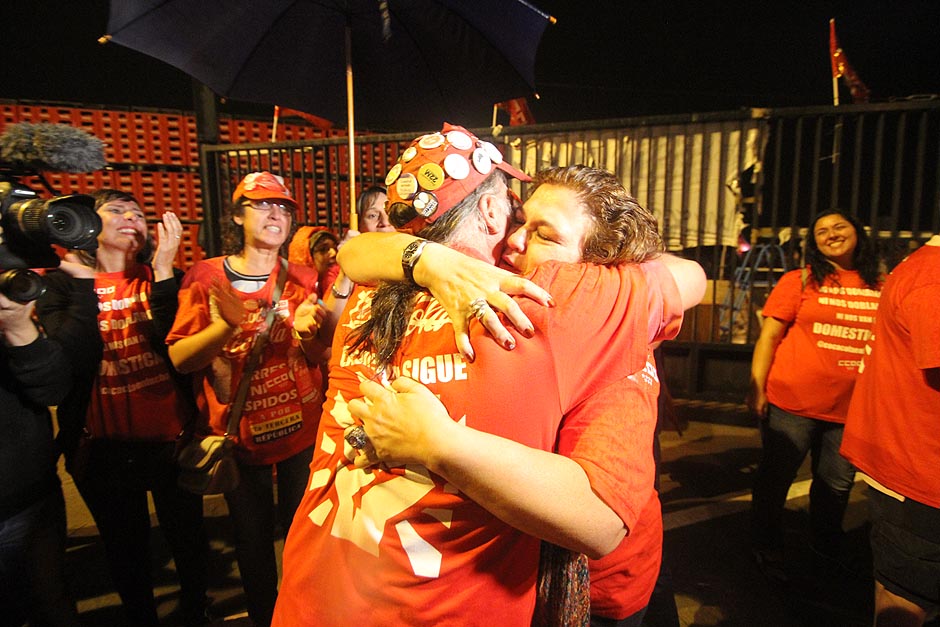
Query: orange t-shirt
column 893, row 428
column 403, row 546
column 283, row 406
column 611, row 436
column 134, row 396
column 815, row 365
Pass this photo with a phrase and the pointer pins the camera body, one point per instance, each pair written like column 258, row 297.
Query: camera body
column 31, row 225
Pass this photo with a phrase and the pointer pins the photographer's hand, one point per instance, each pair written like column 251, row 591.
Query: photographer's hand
column 169, row 234
column 72, row 266
column 16, row 322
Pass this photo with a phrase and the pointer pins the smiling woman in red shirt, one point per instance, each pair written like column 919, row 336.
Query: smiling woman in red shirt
column 805, row 363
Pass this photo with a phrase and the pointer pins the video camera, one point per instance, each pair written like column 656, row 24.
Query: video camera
column 31, row 225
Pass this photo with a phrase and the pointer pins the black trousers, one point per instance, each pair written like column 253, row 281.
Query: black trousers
column 114, row 481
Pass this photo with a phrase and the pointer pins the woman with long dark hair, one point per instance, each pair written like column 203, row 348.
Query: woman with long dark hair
column 816, row 322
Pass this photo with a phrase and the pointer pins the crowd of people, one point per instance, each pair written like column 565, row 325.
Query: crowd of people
column 450, row 413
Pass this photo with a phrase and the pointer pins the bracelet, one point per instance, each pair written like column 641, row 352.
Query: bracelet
column 339, row 294
column 410, row 257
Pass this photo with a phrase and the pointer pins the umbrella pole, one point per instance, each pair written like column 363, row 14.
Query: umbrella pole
column 350, row 124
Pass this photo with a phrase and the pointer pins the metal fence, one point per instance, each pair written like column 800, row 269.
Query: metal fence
column 733, row 190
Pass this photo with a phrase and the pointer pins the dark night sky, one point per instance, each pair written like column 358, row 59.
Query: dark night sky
column 603, row 59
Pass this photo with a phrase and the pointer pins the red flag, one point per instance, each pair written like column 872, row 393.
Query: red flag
column 318, row 122
column 841, row 68
column 518, row 110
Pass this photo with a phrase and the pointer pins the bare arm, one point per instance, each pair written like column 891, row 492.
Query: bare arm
column 771, row 333
column 549, row 496
column 453, row 278
column 689, row 277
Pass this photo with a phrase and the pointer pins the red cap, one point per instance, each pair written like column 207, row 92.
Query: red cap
column 263, row 186
column 436, row 172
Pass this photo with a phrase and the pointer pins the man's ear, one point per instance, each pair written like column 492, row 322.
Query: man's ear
column 493, row 214
column 239, row 220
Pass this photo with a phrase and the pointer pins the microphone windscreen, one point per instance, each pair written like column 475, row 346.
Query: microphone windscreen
column 55, row 147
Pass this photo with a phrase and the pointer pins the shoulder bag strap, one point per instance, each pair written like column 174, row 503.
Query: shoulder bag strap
column 235, row 410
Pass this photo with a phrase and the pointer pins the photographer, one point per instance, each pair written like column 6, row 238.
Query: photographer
column 35, row 372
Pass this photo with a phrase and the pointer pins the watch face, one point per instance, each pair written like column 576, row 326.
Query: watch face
column 407, row 256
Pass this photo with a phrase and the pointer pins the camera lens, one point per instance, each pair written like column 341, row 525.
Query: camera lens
column 22, row 286
column 64, row 225
column 62, row 222
column 69, row 221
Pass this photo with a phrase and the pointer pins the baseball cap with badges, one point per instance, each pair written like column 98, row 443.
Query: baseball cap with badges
column 436, row 172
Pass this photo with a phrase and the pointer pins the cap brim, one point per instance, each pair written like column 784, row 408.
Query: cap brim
column 514, row 172
column 267, row 194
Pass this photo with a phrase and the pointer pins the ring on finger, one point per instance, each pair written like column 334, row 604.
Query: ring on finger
column 478, row 308
column 357, row 437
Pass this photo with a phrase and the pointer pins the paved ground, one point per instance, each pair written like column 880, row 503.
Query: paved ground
column 706, row 483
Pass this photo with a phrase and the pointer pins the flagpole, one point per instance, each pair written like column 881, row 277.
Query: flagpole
column 835, row 77
column 350, row 124
column 277, row 114
column 837, row 131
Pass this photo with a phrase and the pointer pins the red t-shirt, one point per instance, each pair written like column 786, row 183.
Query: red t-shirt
column 893, row 429
column 403, row 546
column 815, row 365
column 611, row 436
column 285, row 397
column 134, row 396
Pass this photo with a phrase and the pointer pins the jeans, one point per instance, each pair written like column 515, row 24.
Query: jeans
column 786, row 439
column 252, row 511
column 114, row 485
column 32, row 567
column 633, row 620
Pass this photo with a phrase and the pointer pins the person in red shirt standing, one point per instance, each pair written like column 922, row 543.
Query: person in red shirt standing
column 816, row 323
column 892, row 434
column 121, row 425
column 224, row 302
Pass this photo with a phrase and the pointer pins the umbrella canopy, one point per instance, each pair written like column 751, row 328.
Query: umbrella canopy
column 416, row 62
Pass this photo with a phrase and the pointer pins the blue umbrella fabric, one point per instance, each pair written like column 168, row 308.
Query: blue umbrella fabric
column 416, row 62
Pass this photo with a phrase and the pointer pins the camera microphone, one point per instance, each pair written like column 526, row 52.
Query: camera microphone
column 53, row 147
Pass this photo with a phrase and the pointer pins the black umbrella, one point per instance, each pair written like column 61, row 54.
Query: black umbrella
column 417, row 62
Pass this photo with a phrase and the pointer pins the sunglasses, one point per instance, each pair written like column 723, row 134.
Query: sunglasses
column 267, row 207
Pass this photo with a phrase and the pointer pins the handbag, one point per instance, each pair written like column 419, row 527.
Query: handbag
column 207, row 465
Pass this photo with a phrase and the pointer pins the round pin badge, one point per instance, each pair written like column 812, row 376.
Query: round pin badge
column 409, row 154
column 481, row 161
column 495, row 155
column 460, row 140
column 431, row 141
column 406, row 186
column 456, row 166
column 430, row 176
column 393, row 174
column 425, row 203
column 400, row 213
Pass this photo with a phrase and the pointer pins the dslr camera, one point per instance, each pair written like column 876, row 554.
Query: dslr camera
column 31, row 225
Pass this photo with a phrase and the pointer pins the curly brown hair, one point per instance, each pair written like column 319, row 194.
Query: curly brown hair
column 622, row 230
